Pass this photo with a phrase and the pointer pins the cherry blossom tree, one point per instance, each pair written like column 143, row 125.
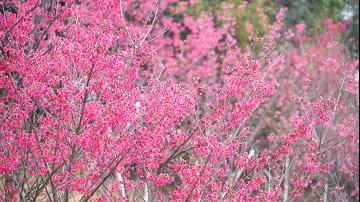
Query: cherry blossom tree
column 139, row 101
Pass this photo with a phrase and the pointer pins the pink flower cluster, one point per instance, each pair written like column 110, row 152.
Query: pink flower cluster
column 137, row 100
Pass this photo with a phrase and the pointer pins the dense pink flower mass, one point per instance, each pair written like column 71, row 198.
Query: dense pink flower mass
column 120, row 101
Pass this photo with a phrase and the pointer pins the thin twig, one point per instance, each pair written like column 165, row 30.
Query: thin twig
column 201, row 173
column 151, row 26
column 126, row 27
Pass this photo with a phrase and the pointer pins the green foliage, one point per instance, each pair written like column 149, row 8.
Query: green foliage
column 261, row 13
column 253, row 13
column 312, row 12
column 352, row 34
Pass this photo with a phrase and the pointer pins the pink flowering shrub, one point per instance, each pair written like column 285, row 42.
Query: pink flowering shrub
column 122, row 101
